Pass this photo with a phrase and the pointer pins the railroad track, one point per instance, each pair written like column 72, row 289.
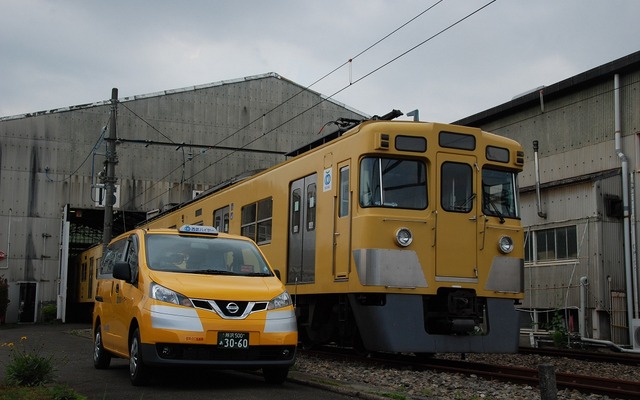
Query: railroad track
column 585, row 355
column 614, row 388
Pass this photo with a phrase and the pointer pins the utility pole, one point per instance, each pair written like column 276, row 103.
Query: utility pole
column 110, row 171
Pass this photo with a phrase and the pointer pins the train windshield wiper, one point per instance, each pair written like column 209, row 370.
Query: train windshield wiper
column 498, row 213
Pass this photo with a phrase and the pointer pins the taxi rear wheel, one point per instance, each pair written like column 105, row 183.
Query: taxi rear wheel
column 138, row 372
column 101, row 357
column 275, row 375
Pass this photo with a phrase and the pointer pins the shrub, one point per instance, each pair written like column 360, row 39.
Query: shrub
column 49, row 313
column 26, row 366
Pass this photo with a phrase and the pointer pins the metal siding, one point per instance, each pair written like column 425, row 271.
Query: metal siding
column 232, row 114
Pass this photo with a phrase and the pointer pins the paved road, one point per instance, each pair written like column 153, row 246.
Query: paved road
column 72, row 352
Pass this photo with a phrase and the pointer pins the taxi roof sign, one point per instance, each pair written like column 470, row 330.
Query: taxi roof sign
column 198, row 229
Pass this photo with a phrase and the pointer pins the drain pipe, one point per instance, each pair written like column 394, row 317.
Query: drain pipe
column 634, row 249
column 537, row 168
column 625, row 201
column 583, row 307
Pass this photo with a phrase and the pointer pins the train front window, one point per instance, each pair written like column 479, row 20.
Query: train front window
column 391, row 182
column 499, row 193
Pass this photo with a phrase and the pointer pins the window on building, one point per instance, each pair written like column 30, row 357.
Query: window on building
column 551, row 244
column 256, row 221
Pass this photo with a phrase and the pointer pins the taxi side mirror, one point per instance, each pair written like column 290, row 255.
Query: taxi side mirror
column 121, row 270
column 277, row 272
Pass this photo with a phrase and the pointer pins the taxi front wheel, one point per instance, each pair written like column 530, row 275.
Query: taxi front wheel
column 101, row 357
column 138, row 372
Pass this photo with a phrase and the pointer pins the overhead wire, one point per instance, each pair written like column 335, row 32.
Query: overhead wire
column 356, row 81
column 332, row 95
column 93, row 149
column 303, row 90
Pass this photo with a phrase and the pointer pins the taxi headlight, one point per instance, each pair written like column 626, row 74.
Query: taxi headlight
column 161, row 293
column 505, row 244
column 404, row 237
column 283, row 300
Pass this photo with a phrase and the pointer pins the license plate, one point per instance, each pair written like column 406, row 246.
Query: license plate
column 233, row 340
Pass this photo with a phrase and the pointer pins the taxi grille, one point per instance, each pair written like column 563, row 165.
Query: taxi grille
column 239, row 309
column 184, row 352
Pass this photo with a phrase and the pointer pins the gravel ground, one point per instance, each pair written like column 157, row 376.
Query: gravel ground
column 407, row 384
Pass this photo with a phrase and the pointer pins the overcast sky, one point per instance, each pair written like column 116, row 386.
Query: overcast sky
column 68, row 52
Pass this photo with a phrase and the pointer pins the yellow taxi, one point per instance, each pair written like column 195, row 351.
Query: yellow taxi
column 191, row 297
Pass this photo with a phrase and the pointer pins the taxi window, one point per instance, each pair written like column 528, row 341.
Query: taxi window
column 114, row 253
column 204, row 255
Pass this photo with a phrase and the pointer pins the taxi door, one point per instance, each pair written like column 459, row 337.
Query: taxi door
column 456, row 229
column 123, row 298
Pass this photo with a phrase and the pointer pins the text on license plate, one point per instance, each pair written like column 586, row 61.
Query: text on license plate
column 233, row 340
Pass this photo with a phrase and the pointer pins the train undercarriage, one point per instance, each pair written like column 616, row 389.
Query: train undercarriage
column 454, row 320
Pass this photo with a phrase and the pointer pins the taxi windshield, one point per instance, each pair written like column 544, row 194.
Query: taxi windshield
column 204, row 255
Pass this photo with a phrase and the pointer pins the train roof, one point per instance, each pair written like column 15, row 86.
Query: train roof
column 344, row 125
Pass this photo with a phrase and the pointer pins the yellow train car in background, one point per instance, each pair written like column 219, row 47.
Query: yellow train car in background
column 87, row 266
column 396, row 236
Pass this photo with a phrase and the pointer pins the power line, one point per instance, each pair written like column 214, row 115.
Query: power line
column 329, row 97
column 93, row 149
column 358, row 80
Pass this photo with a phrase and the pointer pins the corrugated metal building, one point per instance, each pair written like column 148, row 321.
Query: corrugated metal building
column 171, row 145
column 578, row 269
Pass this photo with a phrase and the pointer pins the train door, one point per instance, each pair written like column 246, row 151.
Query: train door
column 456, row 229
column 342, row 224
column 302, row 230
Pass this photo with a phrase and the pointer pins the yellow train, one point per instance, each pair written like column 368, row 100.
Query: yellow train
column 395, row 236
column 85, row 270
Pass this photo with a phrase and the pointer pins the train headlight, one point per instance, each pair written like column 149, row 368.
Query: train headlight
column 404, row 237
column 505, row 244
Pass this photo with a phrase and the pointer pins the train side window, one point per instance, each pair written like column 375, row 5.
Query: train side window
column 248, row 224
column 92, row 265
column 456, row 187
column 344, row 192
column 265, row 212
column 256, row 221
column 83, row 272
column 311, row 207
column 221, row 219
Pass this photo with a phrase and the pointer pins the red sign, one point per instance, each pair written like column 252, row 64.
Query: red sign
column 2, row 255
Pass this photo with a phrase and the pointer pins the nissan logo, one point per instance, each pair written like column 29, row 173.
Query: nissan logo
column 232, row 308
